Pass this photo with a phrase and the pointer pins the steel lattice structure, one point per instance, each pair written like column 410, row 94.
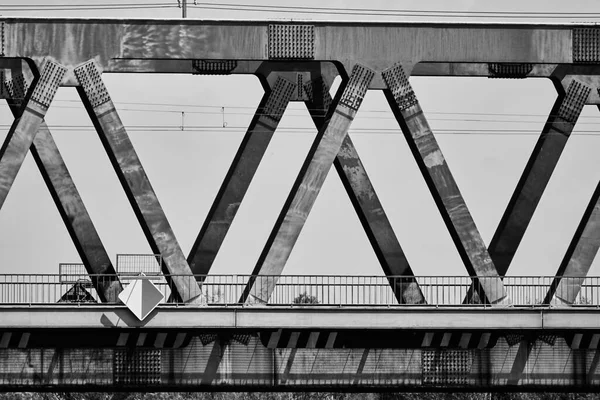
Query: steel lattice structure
column 298, row 62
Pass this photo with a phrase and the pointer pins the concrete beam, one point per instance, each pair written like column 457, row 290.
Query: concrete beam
column 307, row 186
column 134, row 180
column 68, row 201
column 442, row 185
column 305, row 317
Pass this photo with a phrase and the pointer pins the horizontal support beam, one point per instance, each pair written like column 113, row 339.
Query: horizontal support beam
column 377, row 45
column 302, row 317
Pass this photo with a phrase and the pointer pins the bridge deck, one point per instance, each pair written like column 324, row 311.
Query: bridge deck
column 303, row 317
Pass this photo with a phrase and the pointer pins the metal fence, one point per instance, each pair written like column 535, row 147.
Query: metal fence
column 297, row 290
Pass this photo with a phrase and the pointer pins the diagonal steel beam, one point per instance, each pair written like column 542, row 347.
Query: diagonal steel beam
column 240, row 174
column 366, row 203
column 135, row 182
column 442, row 185
column 68, row 201
column 24, row 129
column 536, row 175
column 307, row 186
column 579, row 256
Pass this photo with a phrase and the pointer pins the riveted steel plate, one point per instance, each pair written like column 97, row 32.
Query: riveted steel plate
column 398, row 83
column 291, row 42
column 48, row 83
column 137, row 366
column 279, row 98
column 90, row 79
column 509, row 70
column 586, row 45
column 17, row 87
column 357, row 86
column 213, row 67
column 577, row 95
column 317, row 91
column 446, row 367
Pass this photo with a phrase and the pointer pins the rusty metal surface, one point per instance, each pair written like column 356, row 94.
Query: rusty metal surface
column 240, row 174
column 308, row 184
column 134, row 180
column 441, row 183
column 67, row 200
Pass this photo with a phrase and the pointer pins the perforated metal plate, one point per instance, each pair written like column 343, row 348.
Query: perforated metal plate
column 213, row 67
column 586, row 45
column 291, row 42
column 577, row 95
column 509, row 70
column 17, row 87
column 397, row 81
column 90, row 79
column 278, row 99
column 446, row 367
column 49, row 82
column 137, row 366
column 360, row 79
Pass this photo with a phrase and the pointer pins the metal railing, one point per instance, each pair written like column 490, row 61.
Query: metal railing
column 297, row 290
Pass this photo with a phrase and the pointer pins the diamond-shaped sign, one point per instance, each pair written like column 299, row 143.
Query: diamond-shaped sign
column 141, row 297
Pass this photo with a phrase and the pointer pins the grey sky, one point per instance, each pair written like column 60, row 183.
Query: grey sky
column 187, row 167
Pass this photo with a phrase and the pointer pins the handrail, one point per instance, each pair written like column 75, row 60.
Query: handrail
column 354, row 290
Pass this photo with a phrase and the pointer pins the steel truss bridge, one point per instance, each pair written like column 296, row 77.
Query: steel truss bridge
column 485, row 337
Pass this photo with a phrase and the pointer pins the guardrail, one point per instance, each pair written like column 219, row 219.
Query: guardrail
column 295, row 290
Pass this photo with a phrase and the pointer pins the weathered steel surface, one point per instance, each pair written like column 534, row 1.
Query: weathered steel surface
column 23, row 130
column 308, row 184
column 134, row 180
column 537, row 173
column 441, row 183
column 379, row 45
column 240, row 174
column 366, row 203
column 579, row 256
column 68, row 201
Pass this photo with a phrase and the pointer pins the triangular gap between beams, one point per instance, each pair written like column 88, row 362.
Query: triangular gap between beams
column 94, row 176
column 187, row 148
column 487, row 136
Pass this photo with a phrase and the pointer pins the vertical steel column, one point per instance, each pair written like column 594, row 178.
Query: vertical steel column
column 441, row 183
column 308, row 184
column 240, row 174
column 366, row 203
column 536, row 175
column 68, row 201
column 23, row 130
column 134, row 180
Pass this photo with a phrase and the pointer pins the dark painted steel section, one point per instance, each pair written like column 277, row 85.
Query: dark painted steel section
column 23, row 130
column 240, row 174
column 441, row 183
column 366, row 203
column 308, row 184
column 69, row 202
column 537, row 173
column 579, row 256
column 135, row 182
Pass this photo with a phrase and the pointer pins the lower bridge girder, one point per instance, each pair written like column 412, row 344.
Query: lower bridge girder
column 141, row 359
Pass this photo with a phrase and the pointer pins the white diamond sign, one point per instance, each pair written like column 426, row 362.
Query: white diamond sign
column 141, row 297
